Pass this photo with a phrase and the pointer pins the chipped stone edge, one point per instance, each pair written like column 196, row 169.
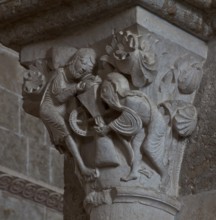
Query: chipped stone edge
column 36, row 191
column 7, row 50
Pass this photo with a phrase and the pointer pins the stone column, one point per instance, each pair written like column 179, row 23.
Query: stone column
column 117, row 100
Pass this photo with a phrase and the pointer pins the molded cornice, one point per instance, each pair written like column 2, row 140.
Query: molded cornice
column 27, row 188
column 24, row 23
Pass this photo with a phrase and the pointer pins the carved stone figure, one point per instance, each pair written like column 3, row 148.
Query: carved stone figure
column 124, row 120
column 139, row 119
column 58, row 99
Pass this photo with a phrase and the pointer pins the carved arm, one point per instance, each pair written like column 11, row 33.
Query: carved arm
column 64, row 94
column 62, row 90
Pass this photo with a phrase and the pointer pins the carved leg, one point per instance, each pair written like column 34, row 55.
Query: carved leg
column 135, row 167
column 133, row 175
column 87, row 173
column 154, row 147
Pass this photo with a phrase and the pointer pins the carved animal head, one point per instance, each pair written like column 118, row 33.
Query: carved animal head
column 82, row 63
column 34, row 81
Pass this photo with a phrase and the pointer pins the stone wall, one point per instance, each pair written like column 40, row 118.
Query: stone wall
column 198, row 182
column 199, row 167
column 14, row 208
column 25, row 150
column 198, row 207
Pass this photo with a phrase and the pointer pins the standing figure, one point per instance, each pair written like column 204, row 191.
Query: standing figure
column 139, row 119
column 60, row 92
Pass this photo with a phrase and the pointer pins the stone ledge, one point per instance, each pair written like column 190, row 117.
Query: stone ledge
column 27, row 188
column 46, row 23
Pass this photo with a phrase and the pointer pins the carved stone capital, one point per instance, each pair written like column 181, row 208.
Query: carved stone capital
column 122, row 109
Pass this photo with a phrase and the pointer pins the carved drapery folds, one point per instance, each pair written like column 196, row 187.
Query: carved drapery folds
column 123, row 115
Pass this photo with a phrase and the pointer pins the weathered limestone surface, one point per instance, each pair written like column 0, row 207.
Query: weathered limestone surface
column 13, row 151
column 10, row 68
column 14, row 208
column 51, row 215
column 73, row 194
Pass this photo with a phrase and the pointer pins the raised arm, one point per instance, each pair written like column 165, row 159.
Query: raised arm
column 61, row 89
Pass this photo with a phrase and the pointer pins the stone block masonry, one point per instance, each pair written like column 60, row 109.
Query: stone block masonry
column 25, row 151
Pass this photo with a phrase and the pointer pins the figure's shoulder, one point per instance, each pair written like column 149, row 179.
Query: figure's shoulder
column 59, row 81
column 132, row 101
column 135, row 95
column 136, row 98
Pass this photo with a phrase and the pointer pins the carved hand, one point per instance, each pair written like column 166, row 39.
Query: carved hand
column 102, row 130
column 81, row 86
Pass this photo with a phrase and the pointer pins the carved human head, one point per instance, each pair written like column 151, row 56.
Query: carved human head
column 114, row 84
column 119, row 82
column 82, row 63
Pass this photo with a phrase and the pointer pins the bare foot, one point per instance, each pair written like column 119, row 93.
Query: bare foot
column 132, row 176
column 89, row 174
column 146, row 172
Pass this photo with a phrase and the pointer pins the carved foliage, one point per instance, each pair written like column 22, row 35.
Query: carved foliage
column 189, row 79
column 130, row 54
column 182, row 79
column 182, row 116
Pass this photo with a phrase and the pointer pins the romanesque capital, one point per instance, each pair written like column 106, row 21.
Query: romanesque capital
column 122, row 109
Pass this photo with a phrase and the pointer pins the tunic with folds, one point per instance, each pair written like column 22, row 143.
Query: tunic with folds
column 53, row 108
